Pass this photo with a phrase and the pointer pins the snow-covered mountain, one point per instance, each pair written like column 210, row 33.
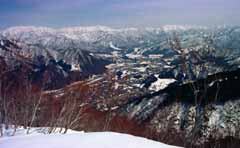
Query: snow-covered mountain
column 52, row 68
column 94, row 38
column 103, row 39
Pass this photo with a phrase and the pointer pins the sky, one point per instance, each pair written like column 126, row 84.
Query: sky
column 118, row 13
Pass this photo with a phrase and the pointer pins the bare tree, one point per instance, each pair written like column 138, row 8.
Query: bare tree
column 194, row 65
column 36, row 104
column 1, row 110
column 70, row 113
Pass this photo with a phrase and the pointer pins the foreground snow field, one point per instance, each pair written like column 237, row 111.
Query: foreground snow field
column 79, row 140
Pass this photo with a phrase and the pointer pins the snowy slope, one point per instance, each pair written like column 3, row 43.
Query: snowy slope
column 79, row 140
column 160, row 84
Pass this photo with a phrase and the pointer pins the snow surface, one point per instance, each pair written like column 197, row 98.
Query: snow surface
column 2, row 43
column 114, row 47
column 33, row 131
column 75, row 67
column 75, row 139
column 133, row 56
column 160, row 84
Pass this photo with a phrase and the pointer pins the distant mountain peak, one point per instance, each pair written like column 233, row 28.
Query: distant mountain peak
column 100, row 28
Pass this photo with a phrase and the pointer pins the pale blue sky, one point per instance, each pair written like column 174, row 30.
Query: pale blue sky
column 118, row 13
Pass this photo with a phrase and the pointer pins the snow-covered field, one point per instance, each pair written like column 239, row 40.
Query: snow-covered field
column 160, row 84
column 75, row 139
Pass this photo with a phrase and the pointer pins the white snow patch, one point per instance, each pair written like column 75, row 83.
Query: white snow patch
column 94, row 80
column 160, row 84
column 140, row 69
column 124, row 73
column 75, row 67
column 133, row 56
column 155, row 56
column 115, row 53
column 114, row 108
column 116, row 85
column 214, row 117
column 137, row 49
column 211, row 84
column 114, row 47
column 59, row 95
column 2, row 43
